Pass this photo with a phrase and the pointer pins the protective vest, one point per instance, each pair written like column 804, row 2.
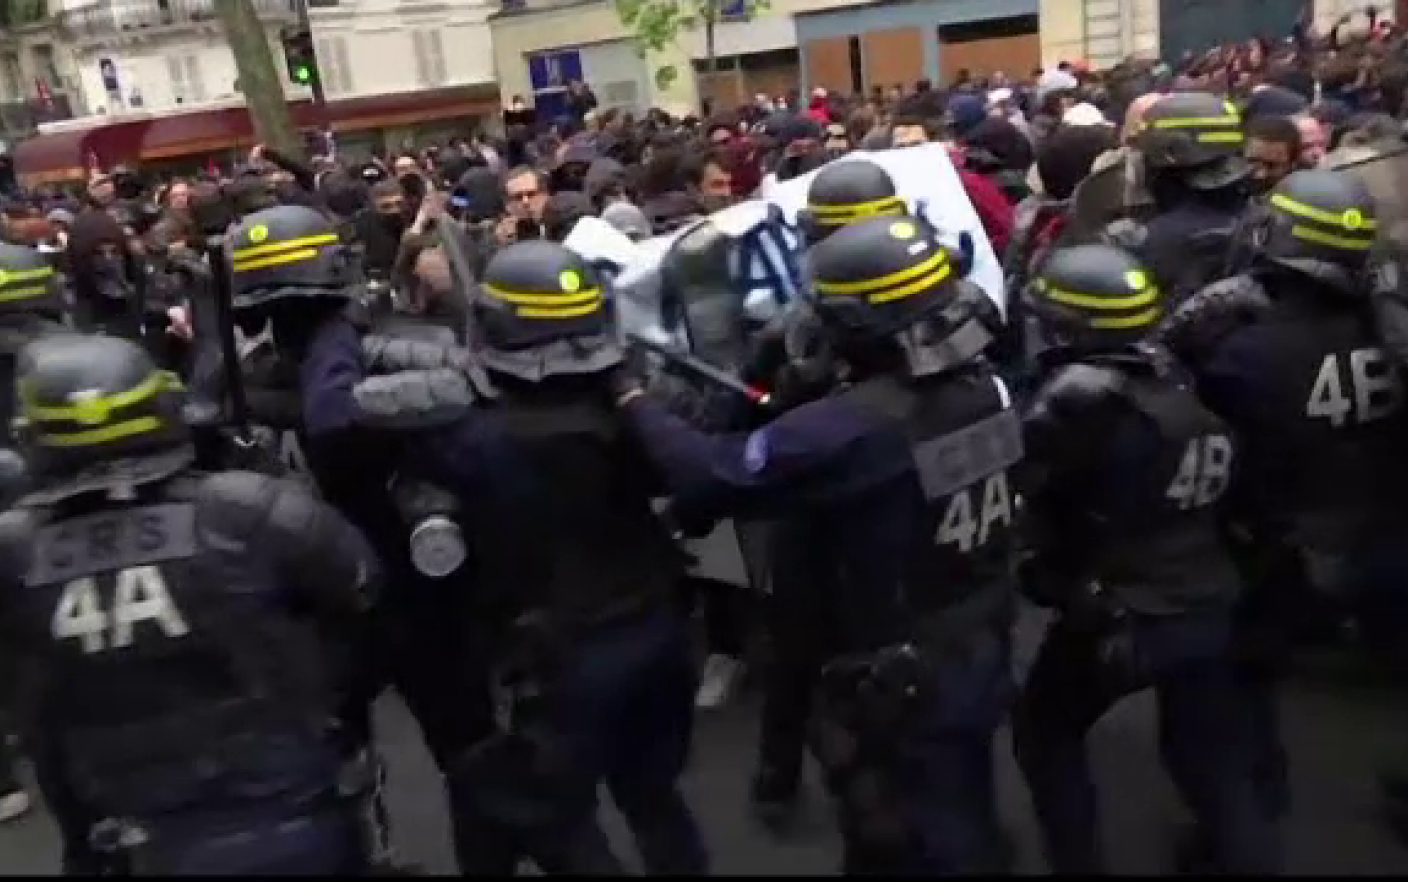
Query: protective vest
column 1319, row 406
column 577, row 534
column 1144, row 521
column 173, row 682
column 954, row 568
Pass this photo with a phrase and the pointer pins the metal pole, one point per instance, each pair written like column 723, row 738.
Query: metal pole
column 301, row 7
column 320, row 102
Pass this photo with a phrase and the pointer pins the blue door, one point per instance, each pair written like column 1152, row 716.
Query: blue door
column 549, row 73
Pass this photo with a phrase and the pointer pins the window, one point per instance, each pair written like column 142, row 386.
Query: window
column 186, row 82
column 12, row 77
column 619, row 94
column 335, row 65
column 734, row 10
column 430, row 57
column 45, row 67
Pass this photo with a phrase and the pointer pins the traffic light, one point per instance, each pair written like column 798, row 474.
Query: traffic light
column 302, row 61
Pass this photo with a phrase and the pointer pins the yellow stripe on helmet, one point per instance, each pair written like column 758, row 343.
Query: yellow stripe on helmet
column 1126, row 322
column 918, row 286
column 939, row 259
column 29, row 275
column 96, row 410
column 1330, row 240
column 28, row 292
column 101, row 435
column 1088, row 301
column 1196, row 122
column 1352, row 220
column 835, row 215
column 285, row 245
column 259, row 263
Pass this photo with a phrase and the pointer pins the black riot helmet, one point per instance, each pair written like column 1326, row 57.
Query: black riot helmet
column 95, row 414
column 542, row 313
column 1322, row 224
column 290, row 251
column 1197, row 136
column 28, row 285
column 890, row 278
column 1094, row 298
column 847, row 191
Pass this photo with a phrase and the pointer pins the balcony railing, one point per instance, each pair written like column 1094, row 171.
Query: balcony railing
column 126, row 16
column 22, row 117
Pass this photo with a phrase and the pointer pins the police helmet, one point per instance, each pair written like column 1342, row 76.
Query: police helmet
column 847, row 191
column 1197, row 135
column 1320, row 223
column 542, row 312
column 28, row 284
column 286, row 252
column 1094, row 297
column 96, row 414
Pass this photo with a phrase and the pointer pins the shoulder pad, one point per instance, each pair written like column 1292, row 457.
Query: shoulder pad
column 243, row 505
column 1079, row 387
column 387, row 355
column 1212, row 313
column 390, row 355
column 414, row 399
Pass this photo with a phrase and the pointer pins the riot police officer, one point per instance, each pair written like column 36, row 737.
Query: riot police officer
column 191, row 630
column 292, row 272
column 1289, row 356
column 1123, row 472
column 592, row 666
column 1191, row 146
column 840, row 194
column 30, row 306
column 902, row 475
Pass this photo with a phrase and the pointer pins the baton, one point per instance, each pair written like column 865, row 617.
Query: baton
column 704, row 370
column 225, row 319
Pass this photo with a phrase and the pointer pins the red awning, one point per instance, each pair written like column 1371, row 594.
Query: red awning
column 193, row 133
column 57, row 156
column 65, row 154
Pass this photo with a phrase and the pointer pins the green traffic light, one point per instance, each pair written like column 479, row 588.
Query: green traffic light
column 303, row 73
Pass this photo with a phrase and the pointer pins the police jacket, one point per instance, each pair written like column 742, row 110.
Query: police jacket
column 1123, row 471
column 1189, row 247
column 555, row 496
column 189, row 639
column 904, row 485
column 1297, row 369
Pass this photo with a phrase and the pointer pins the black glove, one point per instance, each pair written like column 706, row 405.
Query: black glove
column 629, row 379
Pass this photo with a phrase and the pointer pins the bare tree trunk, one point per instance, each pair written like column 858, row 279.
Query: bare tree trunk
column 259, row 79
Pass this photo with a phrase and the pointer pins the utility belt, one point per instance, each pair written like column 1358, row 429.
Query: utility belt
column 130, row 769
column 153, row 846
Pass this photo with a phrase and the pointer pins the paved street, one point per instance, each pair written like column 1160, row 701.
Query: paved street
column 1339, row 736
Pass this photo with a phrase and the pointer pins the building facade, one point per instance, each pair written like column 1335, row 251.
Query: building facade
column 855, row 45
column 162, row 86
column 38, row 78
